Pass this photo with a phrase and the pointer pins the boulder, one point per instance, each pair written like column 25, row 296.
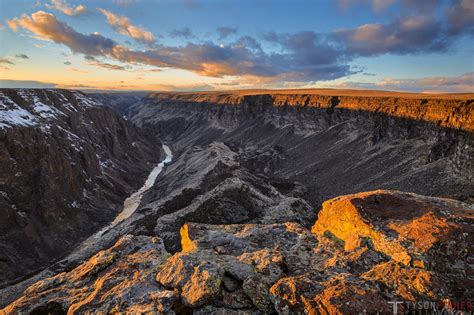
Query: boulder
column 362, row 255
column 119, row 279
column 407, row 227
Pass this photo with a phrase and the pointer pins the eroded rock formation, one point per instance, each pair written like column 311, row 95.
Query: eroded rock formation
column 335, row 142
column 281, row 267
column 233, row 223
column 66, row 165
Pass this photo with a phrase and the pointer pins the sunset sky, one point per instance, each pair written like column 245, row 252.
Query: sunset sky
column 408, row 45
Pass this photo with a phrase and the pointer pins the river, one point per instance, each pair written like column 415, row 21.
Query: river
column 131, row 203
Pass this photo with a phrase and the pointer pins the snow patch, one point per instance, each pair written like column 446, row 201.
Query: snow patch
column 16, row 117
column 84, row 100
column 44, row 110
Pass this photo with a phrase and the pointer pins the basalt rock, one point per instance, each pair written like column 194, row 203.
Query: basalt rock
column 335, row 142
column 119, row 279
column 445, row 110
column 237, row 208
column 210, row 185
column 66, row 165
column 428, row 233
column 268, row 268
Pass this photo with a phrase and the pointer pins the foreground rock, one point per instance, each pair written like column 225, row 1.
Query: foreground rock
column 66, row 165
column 282, row 267
column 118, row 279
column 406, row 227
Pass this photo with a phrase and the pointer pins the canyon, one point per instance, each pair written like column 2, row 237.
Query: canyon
column 66, row 164
column 316, row 201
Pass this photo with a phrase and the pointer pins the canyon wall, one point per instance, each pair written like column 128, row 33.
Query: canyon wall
column 335, row 144
column 270, row 206
column 66, row 165
column 452, row 112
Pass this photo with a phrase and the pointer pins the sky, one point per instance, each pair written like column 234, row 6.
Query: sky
column 191, row 45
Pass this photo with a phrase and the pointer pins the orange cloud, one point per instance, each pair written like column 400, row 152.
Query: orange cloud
column 62, row 6
column 108, row 66
column 47, row 27
column 122, row 25
column 244, row 57
column 216, row 70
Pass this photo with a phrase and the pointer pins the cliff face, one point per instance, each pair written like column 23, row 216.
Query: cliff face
column 237, row 223
column 444, row 112
column 281, row 267
column 66, row 165
column 334, row 144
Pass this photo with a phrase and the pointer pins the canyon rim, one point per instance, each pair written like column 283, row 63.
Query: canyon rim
column 176, row 157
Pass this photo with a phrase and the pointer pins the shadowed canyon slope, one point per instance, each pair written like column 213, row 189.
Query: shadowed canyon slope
column 333, row 144
column 282, row 201
column 66, row 164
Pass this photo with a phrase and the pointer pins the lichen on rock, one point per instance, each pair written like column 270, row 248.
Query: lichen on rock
column 282, row 267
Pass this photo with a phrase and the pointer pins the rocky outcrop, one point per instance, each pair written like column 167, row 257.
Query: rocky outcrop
column 404, row 226
column 448, row 111
column 210, row 185
column 336, row 142
column 281, row 267
column 66, row 165
column 236, row 218
column 120, row 278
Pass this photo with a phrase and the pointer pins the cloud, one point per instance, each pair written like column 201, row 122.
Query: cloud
column 298, row 57
column 405, row 6
column 461, row 17
column 442, row 84
column 62, row 6
column 377, row 5
column 304, row 56
column 225, row 31
column 191, row 4
column 5, row 60
column 406, row 35
column 419, row 28
column 153, row 70
column 270, row 36
column 47, row 27
column 108, row 66
column 78, row 70
column 67, row 63
column 301, row 60
column 22, row 56
column 25, row 84
column 310, row 57
column 182, row 32
column 122, row 25
column 248, row 41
